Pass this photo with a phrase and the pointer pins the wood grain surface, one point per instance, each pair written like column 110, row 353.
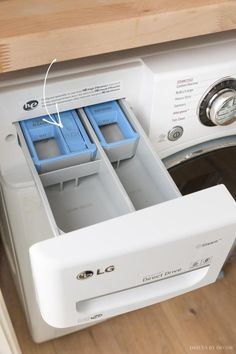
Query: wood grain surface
column 33, row 33
column 203, row 321
column 8, row 341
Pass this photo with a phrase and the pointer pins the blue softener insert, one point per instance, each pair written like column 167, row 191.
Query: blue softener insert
column 115, row 133
column 52, row 147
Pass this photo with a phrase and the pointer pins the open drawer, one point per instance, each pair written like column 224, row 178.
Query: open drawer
column 124, row 236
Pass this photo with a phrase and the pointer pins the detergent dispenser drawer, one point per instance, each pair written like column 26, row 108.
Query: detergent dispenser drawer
column 125, row 238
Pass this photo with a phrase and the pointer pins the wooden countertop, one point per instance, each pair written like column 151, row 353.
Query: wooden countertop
column 33, row 33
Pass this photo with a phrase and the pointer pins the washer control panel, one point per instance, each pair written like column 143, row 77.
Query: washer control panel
column 218, row 106
column 190, row 95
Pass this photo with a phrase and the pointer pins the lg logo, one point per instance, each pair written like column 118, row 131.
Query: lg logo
column 28, row 106
column 89, row 273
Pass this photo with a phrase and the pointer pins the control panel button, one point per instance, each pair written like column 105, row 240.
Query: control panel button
column 175, row 133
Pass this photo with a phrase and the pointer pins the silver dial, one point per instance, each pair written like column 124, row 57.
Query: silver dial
column 218, row 105
column 221, row 108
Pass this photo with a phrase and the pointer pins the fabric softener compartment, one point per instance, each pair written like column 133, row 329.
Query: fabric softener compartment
column 53, row 147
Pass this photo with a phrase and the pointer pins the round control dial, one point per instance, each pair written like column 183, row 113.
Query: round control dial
column 218, row 107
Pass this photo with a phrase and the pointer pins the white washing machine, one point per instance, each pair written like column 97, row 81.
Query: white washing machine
column 91, row 238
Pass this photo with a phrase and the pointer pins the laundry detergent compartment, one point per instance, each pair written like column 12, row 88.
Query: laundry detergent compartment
column 138, row 169
column 82, row 194
column 87, row 196
column 91, row 190
column 139, row 174
column 111, row 221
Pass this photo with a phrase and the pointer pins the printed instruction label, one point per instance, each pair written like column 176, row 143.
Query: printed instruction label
column 83, row 93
